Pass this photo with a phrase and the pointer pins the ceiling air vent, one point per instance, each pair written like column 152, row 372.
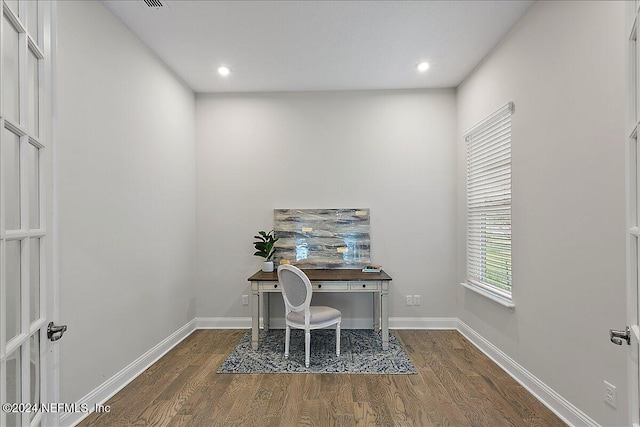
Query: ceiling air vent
column 154, row 4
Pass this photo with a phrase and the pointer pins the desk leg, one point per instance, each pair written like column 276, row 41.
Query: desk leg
column 265, row 311
column 385, row 320
column 376, row 311
column 255, row 318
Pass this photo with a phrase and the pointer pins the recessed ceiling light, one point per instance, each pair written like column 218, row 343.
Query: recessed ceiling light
column 422, row 67
column 224, row 70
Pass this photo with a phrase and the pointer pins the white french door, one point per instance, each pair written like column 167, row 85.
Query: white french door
column 26, row 267
column 633, row 211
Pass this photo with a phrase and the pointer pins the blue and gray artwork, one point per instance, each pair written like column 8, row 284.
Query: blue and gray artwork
column 322, row 238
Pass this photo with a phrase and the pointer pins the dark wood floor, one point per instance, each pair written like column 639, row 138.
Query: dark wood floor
column 456, row 385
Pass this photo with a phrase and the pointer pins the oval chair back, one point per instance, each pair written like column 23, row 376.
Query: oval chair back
column 296, row 289
column 297, row 292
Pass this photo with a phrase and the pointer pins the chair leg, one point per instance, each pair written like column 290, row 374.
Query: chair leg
column 338, row 339
column 287, row 335
column 307, row 345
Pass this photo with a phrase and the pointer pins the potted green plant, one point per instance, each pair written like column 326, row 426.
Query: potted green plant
column 265, row 248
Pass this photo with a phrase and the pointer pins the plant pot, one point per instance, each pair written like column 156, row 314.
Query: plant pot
column 267, row 266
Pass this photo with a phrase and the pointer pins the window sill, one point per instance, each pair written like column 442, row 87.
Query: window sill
column 495, row 298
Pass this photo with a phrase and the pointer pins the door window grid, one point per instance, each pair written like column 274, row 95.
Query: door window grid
column 20, row 113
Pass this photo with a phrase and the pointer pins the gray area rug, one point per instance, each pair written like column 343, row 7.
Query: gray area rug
column 360, row 353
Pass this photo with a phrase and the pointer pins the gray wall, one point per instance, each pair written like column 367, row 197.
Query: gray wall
column 563, row 66
column 390, row 151
column 126, row 198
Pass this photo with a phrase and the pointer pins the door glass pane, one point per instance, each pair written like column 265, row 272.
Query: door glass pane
column 34, row 370
column 10, row 80
column 34, row 278
column 11, row 176
column 33, row 176
column 13, row 288
column 32, row 19
column 33, row 94
column 14, row 386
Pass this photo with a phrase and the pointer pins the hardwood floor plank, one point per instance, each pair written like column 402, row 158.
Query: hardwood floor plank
column 358, row 388
column 456, row 385
column 412, row 344
column 278, row 394
column 239, row 414
column 179, row 421
column 159, row 413
column 379, row 393
column 127, row 405
column 339, row 396
column 536, row 413
column 308, row 414
column 294, row 400
column 414, row 399
column 343, row 421
column 447, row 414
column 491, row 383
column 203, row 404
column 312, row 389
column 483, row 408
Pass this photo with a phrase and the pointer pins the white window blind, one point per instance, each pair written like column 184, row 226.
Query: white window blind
column 489, row 203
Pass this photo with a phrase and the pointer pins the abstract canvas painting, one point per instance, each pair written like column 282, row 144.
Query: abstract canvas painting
column 322, row 238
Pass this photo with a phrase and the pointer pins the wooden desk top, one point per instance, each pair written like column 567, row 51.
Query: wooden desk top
column 325, row 275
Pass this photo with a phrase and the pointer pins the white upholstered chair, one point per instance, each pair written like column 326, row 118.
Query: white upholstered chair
column 299, row 313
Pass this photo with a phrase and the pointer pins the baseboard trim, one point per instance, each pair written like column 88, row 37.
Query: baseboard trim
column 223, row 322
column 564, row 409
column 423, row 323
column 117, row 382
column 560, row 406
column 347, row 323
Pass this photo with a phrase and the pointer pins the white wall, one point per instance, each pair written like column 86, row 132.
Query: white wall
column 563, row 66
column 126, row 198
column 390, row 151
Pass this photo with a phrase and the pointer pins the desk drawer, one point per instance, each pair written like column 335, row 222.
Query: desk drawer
column 330, row 286
column 367, row 286
column 270, row 286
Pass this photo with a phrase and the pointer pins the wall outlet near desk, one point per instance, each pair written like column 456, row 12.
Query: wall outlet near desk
column 416, row 300
column 409, row 300
column 245, row 299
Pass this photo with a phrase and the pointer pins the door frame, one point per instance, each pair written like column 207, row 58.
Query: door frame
column 632, row 154
column 32, row 124
column 52, row 362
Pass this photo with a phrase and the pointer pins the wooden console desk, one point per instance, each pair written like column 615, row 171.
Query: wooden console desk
column 334, row 280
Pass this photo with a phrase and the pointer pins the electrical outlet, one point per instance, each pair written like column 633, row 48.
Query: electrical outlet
column 245, row 299
column 610, row 394
column 409, row 300
column 416, row 300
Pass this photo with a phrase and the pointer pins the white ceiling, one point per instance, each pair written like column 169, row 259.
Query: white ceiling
column 319, row 45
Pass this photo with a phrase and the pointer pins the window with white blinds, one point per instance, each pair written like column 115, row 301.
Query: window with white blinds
column 489, row 204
